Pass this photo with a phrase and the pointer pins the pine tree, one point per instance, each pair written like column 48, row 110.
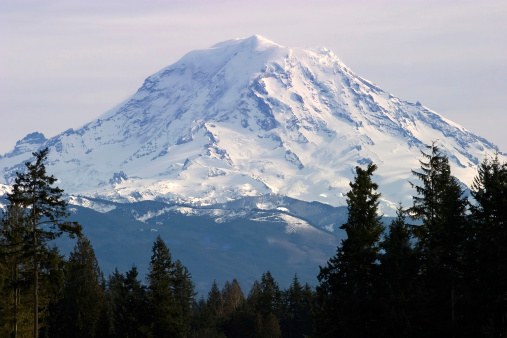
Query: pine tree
column 270, row 296
column 265, row 301
column 16, row 277
column 441, row 206
column 183, row 291
column 129, row 304
column 296, row 319
column 487, row 252
column 51, row 286
column 233, row 296
column 347, row 302
column 83, row 293
column 213, row 316
column 215, row 302
column 164, row 312
column 170, row 292
column 397, row 287
column 44, row 213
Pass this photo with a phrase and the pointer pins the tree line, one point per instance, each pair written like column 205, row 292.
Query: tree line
column 444, row 275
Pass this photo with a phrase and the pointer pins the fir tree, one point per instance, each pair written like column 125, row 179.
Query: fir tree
column 16, row 277
column 441, row 206
column 346, row 292
column 44, row 213
column 487, row 252
column 399, row 274
column 170, row 292
column 51, row 285
column 83, row 293
column 215, row 302
column 159, row 291
column 129, row 304
column 296, row 319
column 183, row 291
column 233, row 296
column 264, row 300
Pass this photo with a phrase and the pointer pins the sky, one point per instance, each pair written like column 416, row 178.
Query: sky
column 64, row 63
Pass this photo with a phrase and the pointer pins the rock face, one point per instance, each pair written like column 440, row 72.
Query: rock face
column 249, row 117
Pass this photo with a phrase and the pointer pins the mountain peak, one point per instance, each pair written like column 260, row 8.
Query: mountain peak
column 28, row 144
column 255, row 42
column 249, row 117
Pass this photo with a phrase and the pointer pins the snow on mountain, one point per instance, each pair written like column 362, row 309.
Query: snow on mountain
column 248, row 117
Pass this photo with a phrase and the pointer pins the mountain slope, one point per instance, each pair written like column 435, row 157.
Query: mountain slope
column 248, row 117
column 214, row 243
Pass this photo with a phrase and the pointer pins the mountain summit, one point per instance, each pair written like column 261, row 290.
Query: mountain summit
column 248, row 117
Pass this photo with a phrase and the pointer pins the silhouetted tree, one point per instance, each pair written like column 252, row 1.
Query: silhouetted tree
column 441, row 206
column 398, row 287
column 44, row 211
column 347, row 304
column 83, row 293
column 487, row 252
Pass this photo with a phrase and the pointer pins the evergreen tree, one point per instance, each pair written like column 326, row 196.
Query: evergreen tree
column 270, row 295
column 129, row 304
column 296, row 319
column 346, row 289
column 487, row 252
column 184, row 294
column 214, row 312
column 45, row 210
column 235, row 311
column 170, row 292
column 215, row 302
column 442, row 237
column 399, row 272
column 16, row 277
column 264, row 300
column 51, row 286
column 83, row 293
column 164, row 313
column 233, row 297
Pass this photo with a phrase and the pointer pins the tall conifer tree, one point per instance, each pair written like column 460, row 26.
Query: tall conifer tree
column 441, row 206
column 487, row 254
column 347, row 302
column 45, row 213
column 397, row 287
column 170, row 293
column 16, row 277
column 83, row 293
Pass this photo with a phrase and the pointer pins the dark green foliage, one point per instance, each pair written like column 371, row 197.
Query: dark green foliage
column 297, row 310
column 83, row 293
column 487, row 254
column 43, row 203
column 444, row 277
column 442, row 240
column 184, row 294
column 232, row 296
column 398, row 285
column 265, row 299
column 128, row 304
column 170, row 293
column 163, row 305
column 50, row 289
column 346, row 291
column 16, row 280
column 224, row 313
column 39, row 210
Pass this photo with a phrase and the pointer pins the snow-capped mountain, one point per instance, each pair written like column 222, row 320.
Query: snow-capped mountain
column 249, row 117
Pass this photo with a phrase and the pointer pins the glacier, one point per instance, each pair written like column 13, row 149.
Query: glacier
column 248, row 118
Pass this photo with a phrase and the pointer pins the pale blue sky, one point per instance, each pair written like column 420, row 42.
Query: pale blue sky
column 64, row 63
